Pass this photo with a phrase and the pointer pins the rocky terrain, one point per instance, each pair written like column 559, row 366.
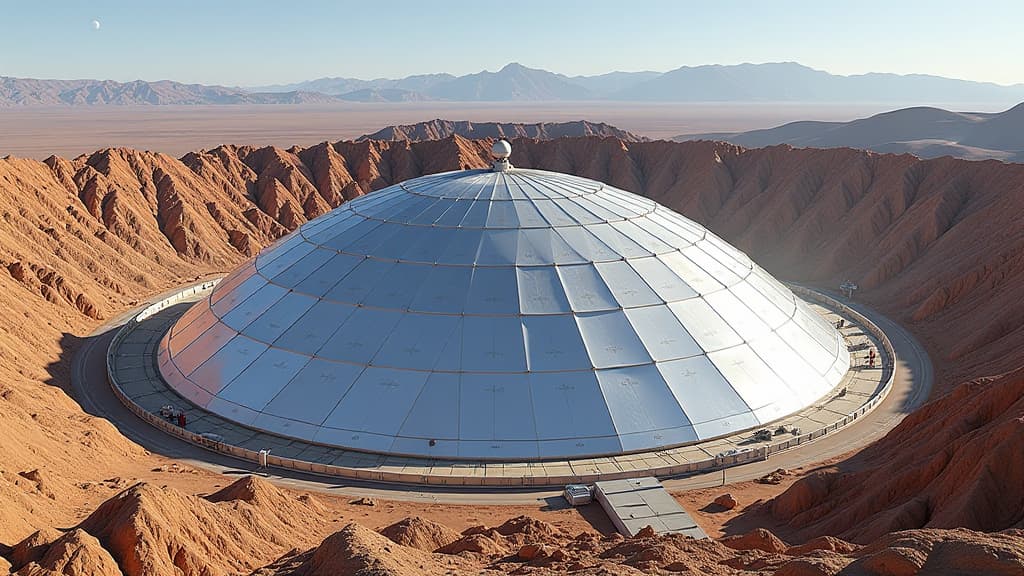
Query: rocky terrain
column 953, row 463
column 440, row 129
column 922, row 131
column 250, row 527
column 933, row 243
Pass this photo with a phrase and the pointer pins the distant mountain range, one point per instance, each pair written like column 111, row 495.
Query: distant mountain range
column 440, row 129
column 511, row 83
column 32, row 92
column 775, row 82
column 922, row 131
column 791, row 82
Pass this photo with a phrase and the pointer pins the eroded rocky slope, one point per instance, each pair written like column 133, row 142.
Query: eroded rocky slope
column 439, row 129
column 933, row 243
column 252, row 527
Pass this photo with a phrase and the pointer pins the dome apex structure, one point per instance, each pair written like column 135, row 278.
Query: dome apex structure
column 502, row 315
column 501, row 151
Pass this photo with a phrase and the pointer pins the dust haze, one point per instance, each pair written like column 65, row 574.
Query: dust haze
column 38, row 132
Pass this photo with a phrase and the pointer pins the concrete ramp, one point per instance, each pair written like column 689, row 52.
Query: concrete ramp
column 637, row 502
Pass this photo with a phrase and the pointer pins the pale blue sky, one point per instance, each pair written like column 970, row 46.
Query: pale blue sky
column 260, row 42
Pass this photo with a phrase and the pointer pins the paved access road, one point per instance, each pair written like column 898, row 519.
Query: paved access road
column 911, row 388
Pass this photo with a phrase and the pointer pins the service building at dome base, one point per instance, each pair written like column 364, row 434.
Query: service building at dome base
column 502, row 315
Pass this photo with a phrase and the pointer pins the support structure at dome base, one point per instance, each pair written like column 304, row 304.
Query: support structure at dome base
column 135, row 380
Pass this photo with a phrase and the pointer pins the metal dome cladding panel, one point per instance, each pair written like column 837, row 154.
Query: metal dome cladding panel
column 503, row 315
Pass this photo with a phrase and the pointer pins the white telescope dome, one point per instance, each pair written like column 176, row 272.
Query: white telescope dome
column 502, row 315
column 501, row 149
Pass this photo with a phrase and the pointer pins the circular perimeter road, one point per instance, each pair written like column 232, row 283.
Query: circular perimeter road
column 912, row 385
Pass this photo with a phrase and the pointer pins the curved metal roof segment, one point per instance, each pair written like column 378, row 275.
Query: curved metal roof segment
column 502, row 315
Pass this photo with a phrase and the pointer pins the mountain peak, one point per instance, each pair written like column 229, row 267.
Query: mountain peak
column 513, row 67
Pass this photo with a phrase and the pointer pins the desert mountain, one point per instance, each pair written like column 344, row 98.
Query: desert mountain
column 604, row 85
column 772, row 82
column 338, row 85
column 922, row 131
column 792, row 82
column 935, row 244
column 440, row 129
column 30, row 92
column 513, row 82
column 381, row 95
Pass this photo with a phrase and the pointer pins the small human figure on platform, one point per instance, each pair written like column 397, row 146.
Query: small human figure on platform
column 181, row 419
column 871, row 358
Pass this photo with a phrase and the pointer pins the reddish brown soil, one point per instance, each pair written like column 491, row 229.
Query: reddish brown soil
column 37, row 132
column 955, row 462
column 934, row 243
column 252, row 527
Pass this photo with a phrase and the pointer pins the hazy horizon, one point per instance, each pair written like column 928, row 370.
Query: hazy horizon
column 262, row 43
column 38, row 132
column 495, row 69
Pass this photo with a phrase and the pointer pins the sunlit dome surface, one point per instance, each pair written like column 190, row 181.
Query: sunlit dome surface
column 502, row 315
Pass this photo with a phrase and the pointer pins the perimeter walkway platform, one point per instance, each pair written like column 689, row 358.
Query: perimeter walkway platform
column 134, row 379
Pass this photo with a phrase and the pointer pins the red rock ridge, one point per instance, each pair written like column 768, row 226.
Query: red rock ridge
column 936, row 244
